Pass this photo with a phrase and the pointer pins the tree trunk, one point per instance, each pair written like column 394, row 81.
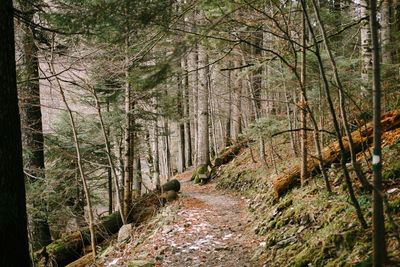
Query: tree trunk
column 31, row 123
column 386, row 32
column 166, row 147
column 193, row 95
column 229, row 108
column 110, row 191
column 13, row 224
column 203, row 134
column 366, row 56
column 303, row 139
column 181, row 125
column 137, row 185
column 236, row 104
column 128, row 136
column 156, row 155
column 378, row 237
column 186, row 114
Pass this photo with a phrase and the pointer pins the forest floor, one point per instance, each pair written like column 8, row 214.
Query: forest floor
column 204, row 227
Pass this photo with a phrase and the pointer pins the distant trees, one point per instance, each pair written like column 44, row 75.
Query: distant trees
column 13, row 218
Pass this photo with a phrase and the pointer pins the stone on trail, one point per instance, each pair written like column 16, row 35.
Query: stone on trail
column 124, row 233
column 174, row 185
column 141, row 263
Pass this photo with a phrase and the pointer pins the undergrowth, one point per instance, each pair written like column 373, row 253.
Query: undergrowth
column 307, row 226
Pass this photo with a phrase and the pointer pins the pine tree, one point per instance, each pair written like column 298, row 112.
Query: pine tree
column 13, row 218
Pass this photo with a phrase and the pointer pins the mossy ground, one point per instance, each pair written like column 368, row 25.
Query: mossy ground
column 308, row 226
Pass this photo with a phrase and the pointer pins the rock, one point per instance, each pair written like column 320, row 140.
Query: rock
column 124, row 232
column 141, row 263
column 169, row 196
column 305, row 219
column 174, row 185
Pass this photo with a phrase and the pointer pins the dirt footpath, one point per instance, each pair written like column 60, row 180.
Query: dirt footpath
column 207, row 228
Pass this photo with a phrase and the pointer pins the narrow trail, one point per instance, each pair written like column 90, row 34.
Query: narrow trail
column 208, row 228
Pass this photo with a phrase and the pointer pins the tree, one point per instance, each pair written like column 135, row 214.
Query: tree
column 31, row 124
column 366, row 57
column 303, row 140
column 203, row 158
column 379, row 244
column 13, row 218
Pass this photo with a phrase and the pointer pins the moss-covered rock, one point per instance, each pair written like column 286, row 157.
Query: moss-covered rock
column 204, row 169
column 141, row 263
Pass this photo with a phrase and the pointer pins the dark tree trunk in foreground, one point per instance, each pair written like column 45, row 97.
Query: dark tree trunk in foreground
column 379, row 244
column 13, row 222
column 32, row 133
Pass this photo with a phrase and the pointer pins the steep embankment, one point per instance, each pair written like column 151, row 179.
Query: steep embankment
column 307, row 226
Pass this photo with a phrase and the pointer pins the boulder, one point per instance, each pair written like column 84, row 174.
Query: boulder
column 124, row 233
column 174, row 185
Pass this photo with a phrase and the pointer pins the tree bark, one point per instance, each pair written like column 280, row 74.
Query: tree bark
column 366, row 56
column 13, row 222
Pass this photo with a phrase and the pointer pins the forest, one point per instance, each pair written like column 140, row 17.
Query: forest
column 200, row 133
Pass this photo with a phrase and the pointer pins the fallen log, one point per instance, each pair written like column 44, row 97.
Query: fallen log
column 72, row 247
column 84, row 261
column 65, row 250
column 229, row 154
column 331, row 153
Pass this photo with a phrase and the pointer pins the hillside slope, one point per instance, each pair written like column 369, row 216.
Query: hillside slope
column 307, row 226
